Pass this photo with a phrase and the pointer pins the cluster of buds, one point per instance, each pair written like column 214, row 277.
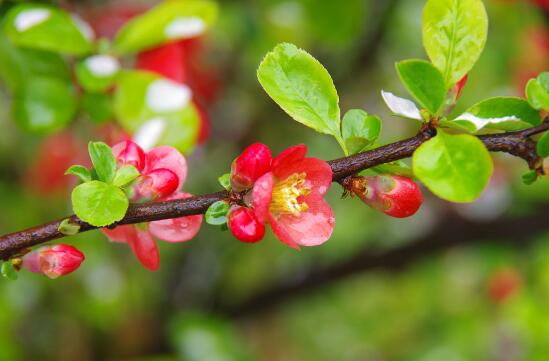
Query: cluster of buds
column 53, row 261
column 394, row 195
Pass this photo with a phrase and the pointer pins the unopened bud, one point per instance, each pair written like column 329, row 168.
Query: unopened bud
column 53, row 261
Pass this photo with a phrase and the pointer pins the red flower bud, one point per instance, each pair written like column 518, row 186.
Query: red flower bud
column 53, row 261
column 396, row 196
column 244, row 225
column 249, row 166
column 459, row 86
column 158, row 183
column 128, row 152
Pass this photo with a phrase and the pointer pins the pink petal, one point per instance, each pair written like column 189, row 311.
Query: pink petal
column 318, row 174
column 177, row 229
column 158, row 183
column 169, row 158
column 288, row 157
column 262, row 195
column 254, row 161
column 128, row 152
column 145, row 249
column 310, row 228
column 121, row 234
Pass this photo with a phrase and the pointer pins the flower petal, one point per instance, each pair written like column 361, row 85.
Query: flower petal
column 318, row 174
column 288, row 157
column 310, row 228
column 120, row 234
column 177, row 229
column 262, row 195
column 169, row 158
column 145, row 249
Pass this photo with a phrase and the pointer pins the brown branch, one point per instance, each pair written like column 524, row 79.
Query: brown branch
column 516, row 143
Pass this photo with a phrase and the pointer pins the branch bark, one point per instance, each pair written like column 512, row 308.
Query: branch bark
column 516, row 143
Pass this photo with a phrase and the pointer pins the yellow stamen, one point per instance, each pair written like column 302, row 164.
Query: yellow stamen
column 286, row 193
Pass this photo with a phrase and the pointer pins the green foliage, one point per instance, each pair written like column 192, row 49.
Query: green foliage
column 8, row 271
column 169, row 21
column 537, row 91
column 543, row 145
column 125, row 175
column 81, row 172
column 97, row 73
column 45, row 27
column 68, row 228
column 98, row 107
column 217, row 213
column 424, row 82
column 99, row 203
column 454, row 35
column 146, row 101
column 501, row 113
column 225, row 181
column 360, row 130
column 456, row 168
column 530, row 177
column 103, row 161
column 301, row 86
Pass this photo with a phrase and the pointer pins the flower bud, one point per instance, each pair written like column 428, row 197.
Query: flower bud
column 53, row 261
column 128, row 152
column 396, row 196
column 457, row 89
column 244, row 225
column 249, row 166
column 158, row 183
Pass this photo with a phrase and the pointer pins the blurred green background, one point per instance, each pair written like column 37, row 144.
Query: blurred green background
column 452, row 283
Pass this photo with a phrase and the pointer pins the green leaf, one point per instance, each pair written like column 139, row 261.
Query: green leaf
column 537, row 91
column 169, row 21
column 125, row 175
column 502, row 113
column 543, row 145
column 456, row 168
column 360, row 130
column 98, row 107
column 225, row 181
column 44, row 105
column 424, row 82
column 530, row 177
column 45, row 27
column 67, row 228
column 454, row 35
column 156, row 110
column 81, row 172
column 97, row 73
column 301, row 86
column 8, row 271
column 217, row 213
column 99, row 203
column 397, row 168
column 103, row 161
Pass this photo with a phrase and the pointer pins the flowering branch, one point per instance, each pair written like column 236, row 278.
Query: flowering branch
column 516, row 143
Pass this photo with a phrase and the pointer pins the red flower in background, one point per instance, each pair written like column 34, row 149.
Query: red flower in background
column 163, row 173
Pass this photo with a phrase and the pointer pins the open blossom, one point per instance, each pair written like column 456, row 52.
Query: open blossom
column 289, row 197
column 163, row 173
column 53, row 261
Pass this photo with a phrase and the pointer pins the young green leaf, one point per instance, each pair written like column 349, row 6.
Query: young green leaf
column 169, row 21
column 217, row 213
column 302, row 87
column 225, row 181
column 502, row 113
column 456, row 168
column 67, row 228
column 537, row 91
column 543, row 145
column 401, row 107
column 424, row 82
column 125, row 175
column 454, row 35
column 8, row 271
column 97, row 73
column 103, row 161
column 529, row 177
column 99, row 203
column 45, row 27
column 81, row 172
column 360, row 130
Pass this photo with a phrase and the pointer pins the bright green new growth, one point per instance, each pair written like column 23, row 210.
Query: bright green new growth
column 68, row 228
column 103, row 161
column 360, row 130
column 424, row 82
column 225, row 181
column 125, row 175
column 456, row 168
column 302, row 87
column 217, row 213
column 81, row 172
column 454, row 35
column 99, row 203
column 537, row 91
column 543, row 146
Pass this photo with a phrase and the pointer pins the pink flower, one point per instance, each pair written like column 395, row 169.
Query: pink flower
column 254, row 161
column 289, row 196
column 53, row 261
column 163, row 174
column 244, row 225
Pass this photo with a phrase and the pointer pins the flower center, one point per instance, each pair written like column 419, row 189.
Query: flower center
column 286, row 193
